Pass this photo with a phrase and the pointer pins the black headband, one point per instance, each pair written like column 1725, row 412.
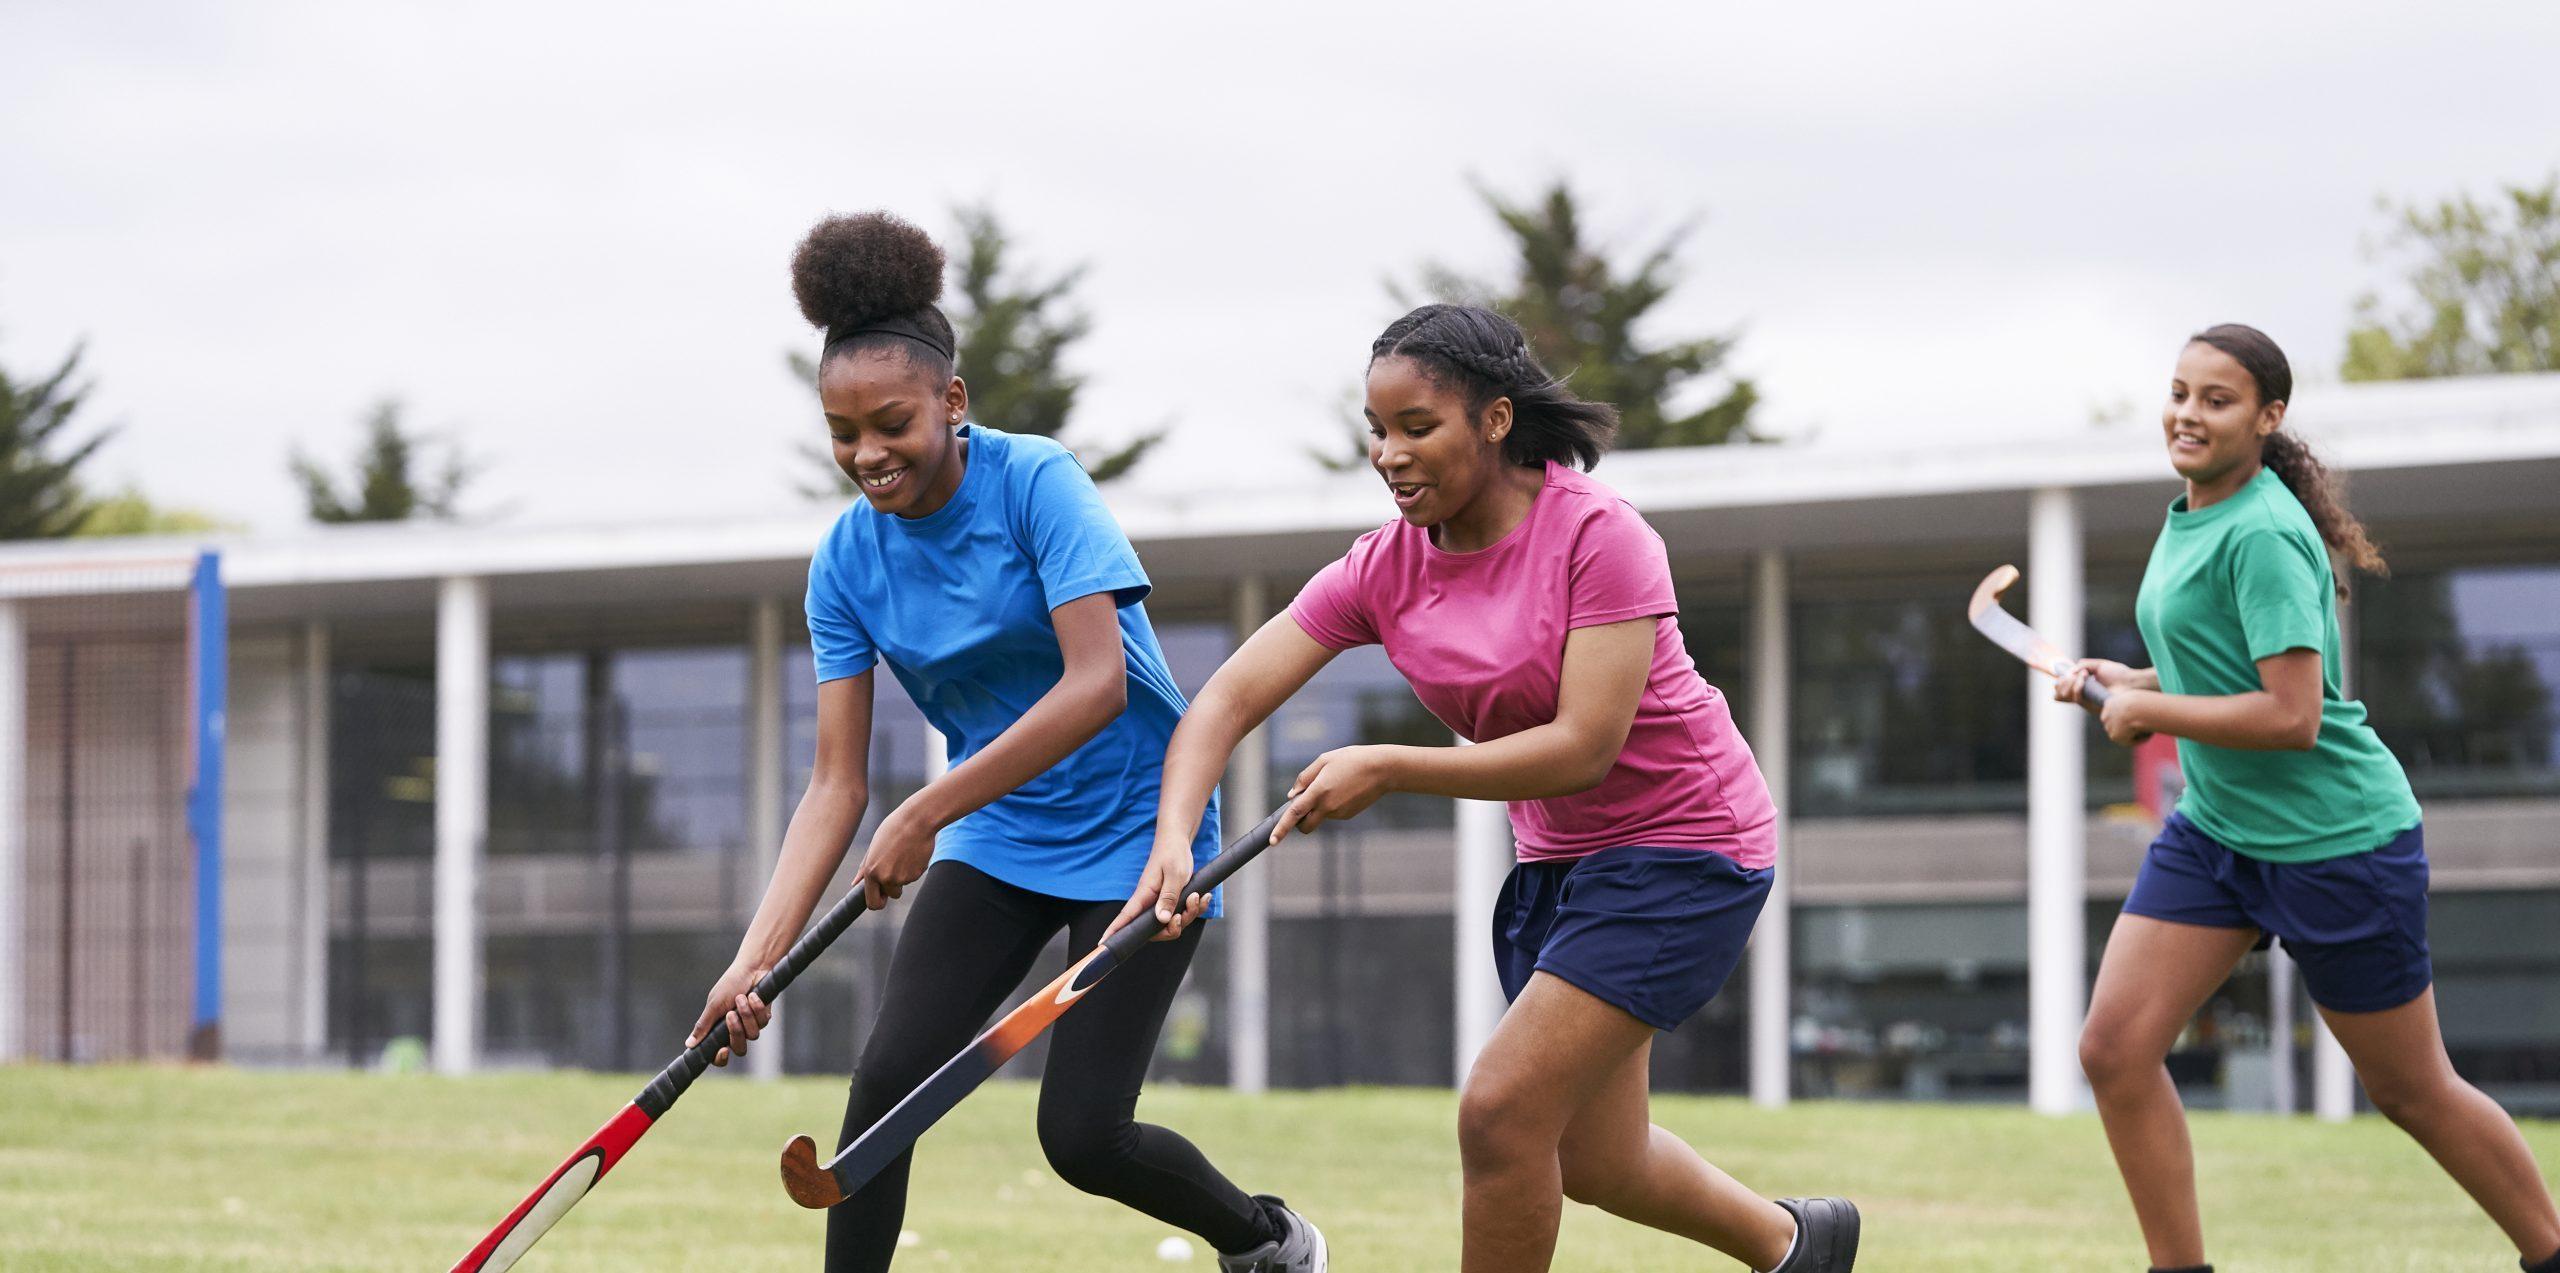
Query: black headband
column 906, row 325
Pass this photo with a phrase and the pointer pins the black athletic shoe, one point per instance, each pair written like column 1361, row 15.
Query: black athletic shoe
column 1826, row 1235
column 1298, row 1249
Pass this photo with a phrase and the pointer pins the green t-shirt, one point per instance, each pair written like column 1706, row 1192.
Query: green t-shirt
column 2234, row 583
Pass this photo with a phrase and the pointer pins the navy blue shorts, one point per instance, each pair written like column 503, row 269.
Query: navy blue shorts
column 1653, row 931
column 2356, row 924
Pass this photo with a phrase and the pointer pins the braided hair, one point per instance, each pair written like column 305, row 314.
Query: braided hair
column 871, row 281
column 2311, row 482
column 1484, row 354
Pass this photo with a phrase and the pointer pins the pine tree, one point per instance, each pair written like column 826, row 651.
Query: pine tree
column 40, row 493
column 1581, row 311
column 387, row 486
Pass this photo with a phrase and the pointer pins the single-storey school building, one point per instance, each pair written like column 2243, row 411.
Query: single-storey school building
column 509, row 793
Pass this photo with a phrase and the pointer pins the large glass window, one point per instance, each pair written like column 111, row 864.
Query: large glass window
column 2495, row 965
column 1902, row 708
column 616, row 787
column 381, row 837
column 2458, row 668
column 609, row 750
column 1921, row 1001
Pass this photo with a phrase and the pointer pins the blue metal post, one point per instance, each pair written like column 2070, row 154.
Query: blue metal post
column 208, row 642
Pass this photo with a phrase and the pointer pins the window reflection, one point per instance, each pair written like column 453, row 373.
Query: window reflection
column 2457, row 668
column 1901, row 707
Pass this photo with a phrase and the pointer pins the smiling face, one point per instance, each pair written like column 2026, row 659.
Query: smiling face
column 1435, row 455
column 891, row 420
column 2214, row 422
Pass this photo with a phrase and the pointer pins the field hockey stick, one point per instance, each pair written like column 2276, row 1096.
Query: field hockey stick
column 2017, row 638
column 571, row 1180
column 814, row 1185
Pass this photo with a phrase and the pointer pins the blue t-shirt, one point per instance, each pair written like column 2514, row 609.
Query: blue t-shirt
column 958, row 603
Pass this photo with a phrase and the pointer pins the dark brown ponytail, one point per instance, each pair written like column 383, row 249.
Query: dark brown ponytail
column 2312, row 483
column 2302, row 472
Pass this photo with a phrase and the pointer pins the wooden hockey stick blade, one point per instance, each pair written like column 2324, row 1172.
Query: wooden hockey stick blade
column 812, row 1185
column 809, row 1183
column 571, row 1180
column 2018, row 639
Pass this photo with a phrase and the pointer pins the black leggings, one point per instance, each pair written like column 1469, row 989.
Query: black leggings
column 968, row 942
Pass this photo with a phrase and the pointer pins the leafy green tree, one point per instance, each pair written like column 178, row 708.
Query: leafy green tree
column 388, row 484
column 128, row 511
column 40, row 494
column 1581, row 311
column 1015, row 330
column 2484, row 289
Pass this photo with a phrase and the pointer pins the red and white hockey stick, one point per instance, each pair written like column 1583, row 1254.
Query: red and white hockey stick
column 571, row 1180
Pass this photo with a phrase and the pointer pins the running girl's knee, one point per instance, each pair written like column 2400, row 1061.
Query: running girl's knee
column 2109, row 1055
column 2412, row 1100
column 1498, row 1121
column 1091, row 1154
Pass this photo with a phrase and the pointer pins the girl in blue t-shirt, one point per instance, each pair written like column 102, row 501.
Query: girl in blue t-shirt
column 983, row 570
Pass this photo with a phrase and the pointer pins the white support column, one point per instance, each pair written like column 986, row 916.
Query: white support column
column 2057, row 817
column 765, row 741
column 1772, row 940
column 1248, row 915
column 1485, row 851
column 313, row 1025
column 2333, row 1076
column 13, row 831
column 462, row 816
column 2280, row 1017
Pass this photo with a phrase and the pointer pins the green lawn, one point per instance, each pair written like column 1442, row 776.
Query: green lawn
column 113, row 1168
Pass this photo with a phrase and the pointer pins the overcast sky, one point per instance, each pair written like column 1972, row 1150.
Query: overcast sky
column 561, row 232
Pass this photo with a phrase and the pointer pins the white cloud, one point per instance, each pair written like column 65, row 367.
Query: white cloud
column 562, row 230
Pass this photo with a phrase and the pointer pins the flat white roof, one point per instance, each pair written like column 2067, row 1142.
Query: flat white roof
column 2479, row 446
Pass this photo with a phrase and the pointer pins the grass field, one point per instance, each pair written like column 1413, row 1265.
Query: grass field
column 111, row 1168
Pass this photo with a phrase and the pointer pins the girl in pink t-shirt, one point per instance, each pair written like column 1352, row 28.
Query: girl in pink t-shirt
column 1531, row 608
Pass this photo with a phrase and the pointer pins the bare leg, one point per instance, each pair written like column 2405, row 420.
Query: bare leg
column 1558, row 1096
column 2151, row 980
column 2399, row 1053
column 1614, row 1158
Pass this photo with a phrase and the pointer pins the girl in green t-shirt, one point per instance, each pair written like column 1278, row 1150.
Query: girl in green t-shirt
column 2295, row 825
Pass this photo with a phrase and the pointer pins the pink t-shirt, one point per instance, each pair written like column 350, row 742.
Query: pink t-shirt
column 1481, row 637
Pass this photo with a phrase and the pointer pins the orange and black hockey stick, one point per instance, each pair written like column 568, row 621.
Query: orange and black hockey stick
column 571, row 1180
column 2017, row 638
column 814, row 1185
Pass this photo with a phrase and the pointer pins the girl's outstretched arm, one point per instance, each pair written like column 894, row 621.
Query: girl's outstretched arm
column 1275, row 662
column 1604, row 676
